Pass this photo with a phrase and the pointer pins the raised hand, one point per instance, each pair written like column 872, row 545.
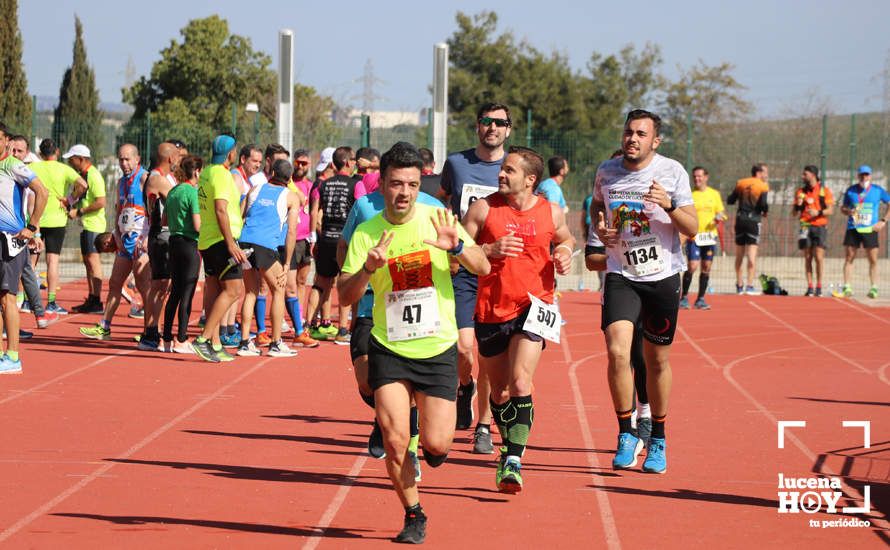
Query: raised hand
column 658, row 195
column 607, row 235
column 446, row 230
column 377, row 255
column 507, row 246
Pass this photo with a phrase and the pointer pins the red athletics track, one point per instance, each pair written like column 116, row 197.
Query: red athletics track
column 106, row 446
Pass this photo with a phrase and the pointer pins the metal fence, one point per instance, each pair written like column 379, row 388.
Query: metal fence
column 837, row 144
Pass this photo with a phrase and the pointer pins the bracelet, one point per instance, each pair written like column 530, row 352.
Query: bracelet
column 366, row 270
column 567, row 247
column 457, row 250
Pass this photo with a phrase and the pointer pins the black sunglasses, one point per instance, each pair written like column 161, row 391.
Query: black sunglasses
column 499, row 122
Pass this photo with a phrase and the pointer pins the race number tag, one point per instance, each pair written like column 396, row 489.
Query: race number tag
column 472, row 192
column 706, row 239
column 14, row 246
column 804, row 233
column 642, row 257
column 543, row 319
column 131, row 220
column 862, row 217
column 412, row 314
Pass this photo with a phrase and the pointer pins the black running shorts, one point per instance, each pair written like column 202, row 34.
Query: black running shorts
column 435, row 376
column 654, row 303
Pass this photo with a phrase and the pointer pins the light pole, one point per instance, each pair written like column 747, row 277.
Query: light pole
column 255, row 109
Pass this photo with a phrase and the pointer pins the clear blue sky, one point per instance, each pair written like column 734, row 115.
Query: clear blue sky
column 782, row 49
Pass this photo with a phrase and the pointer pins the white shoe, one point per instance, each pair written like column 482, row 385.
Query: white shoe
column 280, row 349
column 249, row 350
column 183, row 347
column 285, row 328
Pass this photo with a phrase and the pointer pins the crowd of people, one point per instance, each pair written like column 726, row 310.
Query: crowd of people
column 427, row 269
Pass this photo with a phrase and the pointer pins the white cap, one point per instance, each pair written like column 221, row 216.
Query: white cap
column 77, row 151
column 327, row 157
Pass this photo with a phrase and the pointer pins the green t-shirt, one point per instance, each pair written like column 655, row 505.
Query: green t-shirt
column 216, row 182
column 411, row 265
column 58, row 178
column 181, row 204
column 93, row 221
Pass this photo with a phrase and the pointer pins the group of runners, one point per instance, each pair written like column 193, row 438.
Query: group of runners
column 423, row 279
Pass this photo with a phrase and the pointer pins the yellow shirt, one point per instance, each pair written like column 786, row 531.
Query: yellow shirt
column 216, row 182
column 58, row 178
column 707, row 205
column 93, row 221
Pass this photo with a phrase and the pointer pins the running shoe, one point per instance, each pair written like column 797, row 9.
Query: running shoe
column 285, row 328
column 136, row 313
column 751, row 291
column 416, row 461
column 499, row 472
column 465, row 395
column 482, row 440
column 511, row 480
column 48, row 317
column 684, row 303
column 202, row 321
column 183, row 347
column 701, row 304
column 204, row 350
column 343, row 337
column 248, row 349
column 148, row 344
column 656, row 459
column 263, row 339
column 97, row 332
column 872, row 293
column 303, row 339
column 644, row 429
column 809, row 292
column 629, row 446
column 280, row 349
column 56, row 308
column 739, row 289
column 25, row 307
column 330, row 331
column 317, row 334
column 818, row 292
column 167, row 346
column 414, row 531
column 231, row 340
column 223, row 355
column 8, row 366
column 25, row 334
column 375, row 442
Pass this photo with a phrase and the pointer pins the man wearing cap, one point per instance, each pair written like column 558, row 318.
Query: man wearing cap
column 91, row 211
column 15, row 177
column 221, row 222
column 862, row 206
column 65, row 186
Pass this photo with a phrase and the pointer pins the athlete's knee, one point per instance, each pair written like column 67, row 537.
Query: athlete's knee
column 434, row 460
column 395, row 441
column 619, row 356
column 520, row 386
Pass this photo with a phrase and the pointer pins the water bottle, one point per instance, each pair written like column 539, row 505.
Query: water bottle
column 246, row 264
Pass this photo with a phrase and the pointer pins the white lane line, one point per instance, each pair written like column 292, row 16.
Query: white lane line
column 339, row 498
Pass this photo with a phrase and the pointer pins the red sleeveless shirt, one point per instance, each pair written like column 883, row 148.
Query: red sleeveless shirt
column 503, row 294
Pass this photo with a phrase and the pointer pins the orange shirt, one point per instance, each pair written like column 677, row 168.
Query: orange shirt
column 748, row 191
column 811, row 199
column 503, row 293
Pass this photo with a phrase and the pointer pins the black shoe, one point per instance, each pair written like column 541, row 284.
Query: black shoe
column 482, row 440
column 414, row 531
column 375, row 442
column 465, row 405
column 25, row 335
column 81, row 308
column 818, row 292
column 96, row 308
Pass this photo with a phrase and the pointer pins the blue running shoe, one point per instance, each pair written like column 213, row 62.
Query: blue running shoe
column 684, row 303
column 629, row 446
column 8, row 366
column 656, row 460
column 701, row 304
column 56, row 308
column 231, row 340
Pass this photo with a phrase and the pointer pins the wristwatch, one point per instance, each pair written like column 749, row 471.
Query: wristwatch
column 672, row 207
column 31, row 227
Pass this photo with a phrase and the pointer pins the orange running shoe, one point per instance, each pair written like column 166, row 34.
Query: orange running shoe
column 303, row 339
column 263, row 339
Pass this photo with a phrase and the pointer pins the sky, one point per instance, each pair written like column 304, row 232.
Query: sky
column 787, row 53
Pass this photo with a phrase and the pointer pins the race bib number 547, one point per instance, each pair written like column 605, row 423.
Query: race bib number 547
column 543, row 319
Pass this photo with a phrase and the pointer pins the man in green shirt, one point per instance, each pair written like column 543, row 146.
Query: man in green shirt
column 404, row 254
column 65, row 187
column 91, row 211
column 219, row 204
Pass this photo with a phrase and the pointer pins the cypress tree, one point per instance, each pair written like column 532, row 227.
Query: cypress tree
column 77, row 117
column 15, row 103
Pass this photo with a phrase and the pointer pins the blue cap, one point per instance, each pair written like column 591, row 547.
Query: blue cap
column 865, row 169
column 221, row 147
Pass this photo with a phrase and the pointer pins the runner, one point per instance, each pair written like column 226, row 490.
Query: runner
column 267, row 209
column 15, row 177
column 862, row 205
column 646, row 201
column 184, row 220
column 131, row 237
column 700, row 250
column 301, row 259
column 813, row 203
column 90, row 208
column 515, row 310
column 466, row 177
column 403, row 254
column 336, row 196
column 221, row 222
column 751, row 194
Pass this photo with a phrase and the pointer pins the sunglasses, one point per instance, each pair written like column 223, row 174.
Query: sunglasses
column 499, row 122
column 302, row 163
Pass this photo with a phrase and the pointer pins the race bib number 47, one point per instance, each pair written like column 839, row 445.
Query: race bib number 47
column 412, row 314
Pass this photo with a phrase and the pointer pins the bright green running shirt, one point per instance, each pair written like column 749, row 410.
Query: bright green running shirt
column 93, row 221
column 58, row 178
column 181, row 204
column 412, row 267
column 216, row 182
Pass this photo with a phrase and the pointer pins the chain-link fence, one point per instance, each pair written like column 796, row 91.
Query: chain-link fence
column 837, row 144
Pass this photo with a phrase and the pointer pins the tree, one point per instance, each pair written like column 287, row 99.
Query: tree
column 15, row 104
column 77, row 118
column 313, row 124
column 208, row 72
column 710, row 94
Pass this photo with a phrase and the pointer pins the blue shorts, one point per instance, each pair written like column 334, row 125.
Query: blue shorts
column 695, row 253
column 465, row 286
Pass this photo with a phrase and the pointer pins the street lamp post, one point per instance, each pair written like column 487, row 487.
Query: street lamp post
column 255, row 109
